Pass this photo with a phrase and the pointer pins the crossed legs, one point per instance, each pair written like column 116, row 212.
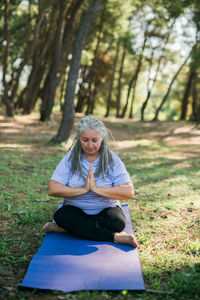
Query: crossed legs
column 108, row 225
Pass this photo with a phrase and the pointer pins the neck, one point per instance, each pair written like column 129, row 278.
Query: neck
column 91, row 158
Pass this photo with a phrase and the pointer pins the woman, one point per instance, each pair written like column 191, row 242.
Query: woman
column 92, row 179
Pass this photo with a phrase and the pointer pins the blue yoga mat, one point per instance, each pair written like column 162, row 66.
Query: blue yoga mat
column 67, row 263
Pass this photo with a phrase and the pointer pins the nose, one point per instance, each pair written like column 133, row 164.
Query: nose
column 89, row 144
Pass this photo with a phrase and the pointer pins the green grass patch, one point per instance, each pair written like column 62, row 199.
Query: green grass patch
column 164, row 212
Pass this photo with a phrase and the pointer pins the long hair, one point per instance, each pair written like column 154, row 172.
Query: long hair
column 106, row 158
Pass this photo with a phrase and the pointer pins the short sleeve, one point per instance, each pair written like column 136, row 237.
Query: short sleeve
column 119, row 172
column 62, row 171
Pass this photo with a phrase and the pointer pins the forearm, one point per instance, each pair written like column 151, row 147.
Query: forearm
column 60, row 190
column 121, row 192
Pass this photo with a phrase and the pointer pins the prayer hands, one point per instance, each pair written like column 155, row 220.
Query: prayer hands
column 90, row 180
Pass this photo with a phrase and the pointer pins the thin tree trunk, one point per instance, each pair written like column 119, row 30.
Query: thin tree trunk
column 144, row 105
column 61, row 42
column 69, row 28
column 6, row 100
column 185, row 99
column 93, row 75
column 112, row 81
column 68, row 112
column 169, row 88
column 51, row 81
column 40, row 63
column 135, row 75
column 119, row 83
column 150, row 89
column 194, row 115
column 132, row 100
column 81, row 93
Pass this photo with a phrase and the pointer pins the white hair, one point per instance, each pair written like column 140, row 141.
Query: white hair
column 106, row 158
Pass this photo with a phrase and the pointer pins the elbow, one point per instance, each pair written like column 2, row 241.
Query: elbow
column 132, row 194
column 49, row 193
column 50, row 190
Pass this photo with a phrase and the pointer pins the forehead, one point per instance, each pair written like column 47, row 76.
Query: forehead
column 91, row 133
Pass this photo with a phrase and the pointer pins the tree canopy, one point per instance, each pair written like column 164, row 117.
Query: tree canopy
column 135, row 59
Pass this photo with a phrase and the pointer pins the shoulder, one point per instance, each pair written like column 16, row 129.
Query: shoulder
column 66, row 158
column 115, row 157
column 68, row 155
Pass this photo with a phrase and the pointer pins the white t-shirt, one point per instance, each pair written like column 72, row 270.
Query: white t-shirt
column 90, row 202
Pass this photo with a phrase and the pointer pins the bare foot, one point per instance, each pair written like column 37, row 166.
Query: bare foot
column 52, row 227
column 125, row 238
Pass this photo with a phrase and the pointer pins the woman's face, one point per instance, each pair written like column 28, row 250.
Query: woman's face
column 90, row 140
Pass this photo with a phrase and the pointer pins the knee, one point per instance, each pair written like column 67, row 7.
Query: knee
column 120, row 224
column 117, row 223
column 58, row 216
column 61, row 216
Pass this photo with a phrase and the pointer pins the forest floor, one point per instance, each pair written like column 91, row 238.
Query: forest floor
column 163, row 159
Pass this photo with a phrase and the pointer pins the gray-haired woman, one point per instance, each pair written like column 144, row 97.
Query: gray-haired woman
column 92, row 179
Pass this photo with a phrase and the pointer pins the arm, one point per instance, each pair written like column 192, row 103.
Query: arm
column 120, row 192
column 57, row 189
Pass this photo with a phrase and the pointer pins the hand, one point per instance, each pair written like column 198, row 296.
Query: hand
column 87, row 186
column 92, row 183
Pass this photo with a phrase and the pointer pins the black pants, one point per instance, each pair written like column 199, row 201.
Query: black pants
column 100, row 227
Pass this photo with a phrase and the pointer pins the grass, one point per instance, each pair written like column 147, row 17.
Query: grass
column 165, row 215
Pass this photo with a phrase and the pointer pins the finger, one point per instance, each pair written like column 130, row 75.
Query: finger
column 90, row 171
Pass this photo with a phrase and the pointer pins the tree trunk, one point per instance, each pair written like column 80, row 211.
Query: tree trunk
column 68, row 112
column 150, row 89
column 169, row 88
column 29, row 53
column 135, row 75
column 41, row 59
column 61, row 42
column 51, row 81
column 69, row 28
column 93, row 74
column 144, row 105
column 112, row 81
column 6, row 100
column 82, row 91
column 195, row 116
column 33, row 88
column 119, row 84
column 132, row 101
column 186, row 95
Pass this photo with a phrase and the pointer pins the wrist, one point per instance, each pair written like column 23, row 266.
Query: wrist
column 84, row 190
column 95, row 189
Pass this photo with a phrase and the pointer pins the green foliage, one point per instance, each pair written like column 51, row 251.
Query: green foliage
column 33, row 26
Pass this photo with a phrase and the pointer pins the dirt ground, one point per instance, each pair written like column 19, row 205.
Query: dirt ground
column 26, row 132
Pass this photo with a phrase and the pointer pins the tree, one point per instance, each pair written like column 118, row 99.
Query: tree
column 169, row 88
column 68, row 111
column 136, row 73
column 119, row 84
column 112, row 80
column 151, row 82
column 61, row 42
column 186, row 94
column 6, row 100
